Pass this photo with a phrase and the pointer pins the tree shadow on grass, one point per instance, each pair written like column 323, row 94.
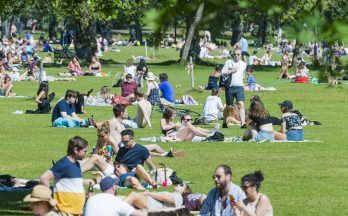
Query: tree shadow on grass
column 14, row 208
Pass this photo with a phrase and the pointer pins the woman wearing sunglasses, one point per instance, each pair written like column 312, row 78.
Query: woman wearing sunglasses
column 186, row 131
column 256, row 203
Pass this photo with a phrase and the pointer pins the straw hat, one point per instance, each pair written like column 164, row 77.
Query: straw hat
column 40, row 193
column 150, row 76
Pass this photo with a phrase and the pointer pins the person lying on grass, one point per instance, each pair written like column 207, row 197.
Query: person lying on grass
column 185, row 131
column 159, row 200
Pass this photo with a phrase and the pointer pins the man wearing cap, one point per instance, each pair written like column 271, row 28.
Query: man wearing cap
column 41, row 201
column 106, row 203
column 235, row 68
column 68, row 188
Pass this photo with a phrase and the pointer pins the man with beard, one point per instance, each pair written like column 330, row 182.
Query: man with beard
column 68, row 188
column 219, row 199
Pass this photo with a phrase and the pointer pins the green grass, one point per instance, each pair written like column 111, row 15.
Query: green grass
column 300, row 178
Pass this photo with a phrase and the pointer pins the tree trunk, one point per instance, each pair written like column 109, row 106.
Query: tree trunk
column 296, row 53
column 85, row 44
column 5, row 31
column 175, row 29
column 262, row 33
column 52, row 27
column 138, row 31
column 236, row 32
column 190, row 33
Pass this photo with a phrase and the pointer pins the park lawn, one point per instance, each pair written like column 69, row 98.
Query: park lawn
column 300, row 178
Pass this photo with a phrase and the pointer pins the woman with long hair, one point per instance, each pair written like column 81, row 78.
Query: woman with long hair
column 256, row 203
column 95, row 68
column 43, row 100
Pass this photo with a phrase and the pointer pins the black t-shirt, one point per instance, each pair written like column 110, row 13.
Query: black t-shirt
column 132, row 157
column 260, row 121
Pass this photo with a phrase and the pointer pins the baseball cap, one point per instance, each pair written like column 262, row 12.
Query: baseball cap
column 218, row 67
column 107, row 183
column 286, row 103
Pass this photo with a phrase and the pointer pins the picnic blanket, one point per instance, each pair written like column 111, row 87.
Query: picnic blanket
column 17, row 96
column 239, row 139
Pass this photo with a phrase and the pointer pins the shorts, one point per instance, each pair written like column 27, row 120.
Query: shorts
column 109, row 170
column 123, row 178
column 154, row 204
column 234, row 92
column 264, row 136
column 295, row 135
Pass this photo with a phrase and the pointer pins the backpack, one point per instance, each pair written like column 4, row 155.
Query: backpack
column 225, row 80
column 217, row 137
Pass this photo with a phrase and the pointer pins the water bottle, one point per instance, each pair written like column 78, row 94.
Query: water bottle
column 109, row 148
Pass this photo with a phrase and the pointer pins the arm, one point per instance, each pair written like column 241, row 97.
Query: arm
column 161, row 197
column 137, row 212
column 166, row 126
column 283, row 125
column 90, row 67
column 46, row 177
column 41, row 95
column 228, row 68
column 113, row 144
column 150, row 163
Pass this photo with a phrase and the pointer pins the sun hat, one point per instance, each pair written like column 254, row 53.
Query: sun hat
column 40, row 193
column 286, row 103
column 150, row 76
column 107, row 183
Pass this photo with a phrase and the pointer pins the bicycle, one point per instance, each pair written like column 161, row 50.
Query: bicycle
column 181, row 112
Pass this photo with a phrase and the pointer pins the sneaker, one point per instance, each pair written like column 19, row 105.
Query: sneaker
column 244, row 126
column 224, row 125
column 89, row 92
column 170, row 153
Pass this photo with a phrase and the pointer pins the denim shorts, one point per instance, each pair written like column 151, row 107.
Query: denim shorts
column 264, row 136
column 123, row 178
column 295, row 135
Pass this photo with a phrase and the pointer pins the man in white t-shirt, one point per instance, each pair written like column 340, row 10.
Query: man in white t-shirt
column 213, row 107
column 107, row 204
column 235, row 67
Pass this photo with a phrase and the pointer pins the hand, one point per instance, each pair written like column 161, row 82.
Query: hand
column 239, row 204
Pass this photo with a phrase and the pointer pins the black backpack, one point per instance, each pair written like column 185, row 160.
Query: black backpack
column 225, row 81
column 217, row 137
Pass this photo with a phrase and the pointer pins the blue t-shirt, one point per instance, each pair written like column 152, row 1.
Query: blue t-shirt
column 167, row 91
column 68, row 187
column 132, row 157
column 244, row 44
column 62, row 106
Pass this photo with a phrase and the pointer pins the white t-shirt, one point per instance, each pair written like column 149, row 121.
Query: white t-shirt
column 105, row 204
column 237, row 77
column 131, row 70
column 212, row 107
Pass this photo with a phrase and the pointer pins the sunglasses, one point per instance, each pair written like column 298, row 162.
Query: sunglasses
column 125, row 142
column 187, row 119
column 244, row 187
column 236, row 54
column 216, row 176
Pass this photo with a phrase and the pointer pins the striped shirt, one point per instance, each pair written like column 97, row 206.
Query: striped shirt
column 68, row 188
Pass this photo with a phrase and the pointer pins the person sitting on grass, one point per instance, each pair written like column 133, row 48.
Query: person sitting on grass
column 291, row 126
column 153, row 92
column 128, row 87
column 106, row 146
column 95, row 68
column 213, row 80
column 43, row 100
column 74, row 67
column 256, row 203
column 144, row 112
column 188, row 132
column 231, row 116
column 213, row 107
column 6, row 87
column 159, row 200
column 302, row 73
column 166, row 89
column 101, row 98
column 64, row 115
column 41, row 201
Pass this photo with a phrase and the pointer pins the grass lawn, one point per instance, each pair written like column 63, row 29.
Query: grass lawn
column 300, row 178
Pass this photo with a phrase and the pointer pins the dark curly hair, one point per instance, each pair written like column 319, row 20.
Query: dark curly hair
column 254, row 179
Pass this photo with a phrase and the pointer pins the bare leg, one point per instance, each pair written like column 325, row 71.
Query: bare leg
column 142, row 173
column 279, row 136
column 91, row 162
column 186, row 134
column 135, row 183
column 137, row 199
column 241, row 112
column 231, row 120
column 155, row 150
column 8, row 89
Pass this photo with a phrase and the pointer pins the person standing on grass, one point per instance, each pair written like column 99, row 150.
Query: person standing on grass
column 64, row 115
column 244, row 46
column 235, row 68
column 68, row 188
column 107, row 204
column 218, row 201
